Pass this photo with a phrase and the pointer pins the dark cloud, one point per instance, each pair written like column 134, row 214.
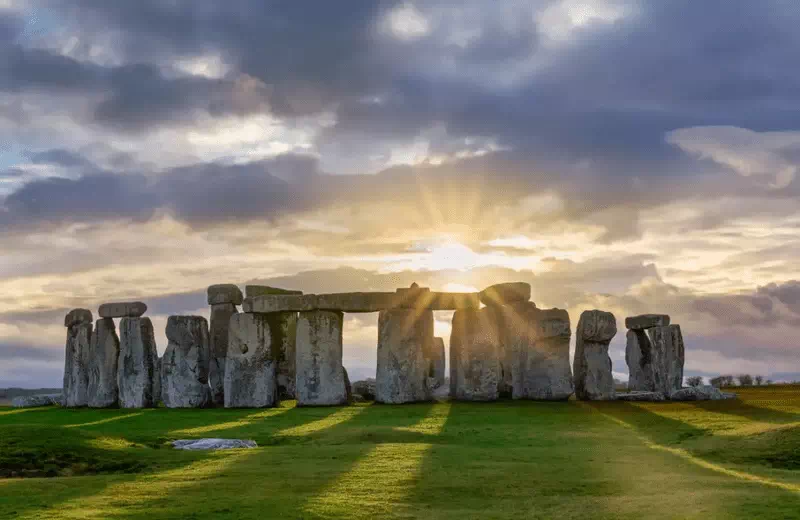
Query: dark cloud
column 770, row 305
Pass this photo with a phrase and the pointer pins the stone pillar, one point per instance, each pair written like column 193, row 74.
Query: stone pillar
column 103, row 390
column 136, row 372
column 184, row 365
column 655, row 354
column 320, row 375
column 537, row 351
column 405, row 336
column 594, row 380
column 223, row 299
column 436, row 363
column 251, row 368
column 475, row 355
column 78, row 345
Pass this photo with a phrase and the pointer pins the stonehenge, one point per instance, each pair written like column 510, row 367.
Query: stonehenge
column 592, row 365
column 284, row 344
column 184, row 366
column 103, row 391
column 76, row 375
column 251, row 371
column 654, row 353
column 405, row 339
column 137, row 363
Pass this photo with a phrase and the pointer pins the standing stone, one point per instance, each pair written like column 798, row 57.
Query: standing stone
column 78, row 345
column 136, row 371
column 221, row 314
column 283, row 329
column 594, row 380
column 320, row 374
column 157, row 383
column 184, row 366
column 437, row 362
column 251, row 369
column 474, row 355
column 224, row 293
column 103, row 358
column 536, row 343
column 655, row 358
column 405, row 336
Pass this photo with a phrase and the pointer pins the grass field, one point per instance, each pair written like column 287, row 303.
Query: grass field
column 730, row 459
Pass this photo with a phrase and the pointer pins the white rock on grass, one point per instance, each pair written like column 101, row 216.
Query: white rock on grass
column 33, row 401
column 641, row 396
column 213, row 444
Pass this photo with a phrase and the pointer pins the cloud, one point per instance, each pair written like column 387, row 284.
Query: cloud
column 746, row 152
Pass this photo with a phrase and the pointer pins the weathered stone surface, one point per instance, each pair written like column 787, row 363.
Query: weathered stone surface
column 251, row 370
column 224, row 293
column 442, row 301
column 436, row 363
column 184, row 365
column 592, row 365
column 655, row 359
column 280, row 303
column 474, row 356
column 365, row 389
column 700, row 393
column 504, row 293
column 404, row 337
column 283, row 330
column 218, row 345
column 122, row 310
column 157, row 383
column 136, row 370
column 35, row 401
column 320, row 374
column 76, row 316
column 102, row 365
column 646, row 321
column 641, row 396
column 76, row 373
column 213, row 444
column 536, row 351
column 355, row 302
column 251, row 291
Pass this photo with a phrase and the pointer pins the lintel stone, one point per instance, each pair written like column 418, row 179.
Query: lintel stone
column 251, row 291
column 122, row 310
column 224, row 293
column 646, row 321
column 503, row 293
column 76, row 316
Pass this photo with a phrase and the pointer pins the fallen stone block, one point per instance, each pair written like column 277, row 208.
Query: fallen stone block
column 76, row 316
column 122, row 310
column 138, row 360
column 224, row 293
column 320, row 374
column 646, row 321
column 505, row 293
column 213, row 444
column 700, row 393
column 592, row 365
column 536, row 351
column 251, row 370
column 251, row 291
column 103, row 365
column 184, row 365
column 474, row 356
column 641, row 396
column 35, row 401
column 404, row 338
column 76, row 364
column 366, row 389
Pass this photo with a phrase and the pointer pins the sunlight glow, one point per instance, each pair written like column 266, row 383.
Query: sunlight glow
column 244, row 421
column 338, row 417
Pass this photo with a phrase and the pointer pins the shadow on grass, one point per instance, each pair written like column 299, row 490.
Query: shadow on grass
column 748, row 411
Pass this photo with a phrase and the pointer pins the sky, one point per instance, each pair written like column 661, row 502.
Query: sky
column 636, row 156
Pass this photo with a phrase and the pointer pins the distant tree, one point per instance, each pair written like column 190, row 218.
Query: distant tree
column 768, row 382
column 717, row 381
column 745, row 379
column 759, row 380
column 728, row 380
column 694, row 381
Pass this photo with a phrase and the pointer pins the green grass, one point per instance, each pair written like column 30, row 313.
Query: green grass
column 732, row 459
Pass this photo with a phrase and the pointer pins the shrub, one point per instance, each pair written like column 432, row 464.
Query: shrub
column 694, row 381
column 745, row 379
